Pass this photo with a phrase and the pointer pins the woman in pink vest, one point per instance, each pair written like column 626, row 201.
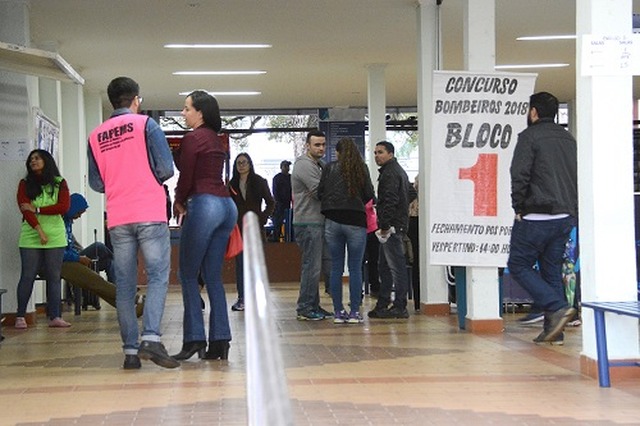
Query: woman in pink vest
column 210, row 214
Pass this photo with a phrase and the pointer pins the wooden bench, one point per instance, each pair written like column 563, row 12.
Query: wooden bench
column 631, row 309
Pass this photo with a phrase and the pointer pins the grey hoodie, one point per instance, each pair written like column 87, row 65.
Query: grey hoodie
column 304, row 184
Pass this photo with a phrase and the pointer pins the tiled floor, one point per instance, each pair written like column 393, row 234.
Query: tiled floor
column 421, row 371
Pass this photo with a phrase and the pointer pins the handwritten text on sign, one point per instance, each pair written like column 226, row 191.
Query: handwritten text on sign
column 611, row 54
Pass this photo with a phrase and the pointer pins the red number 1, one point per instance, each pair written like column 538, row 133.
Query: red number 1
column 484, row 175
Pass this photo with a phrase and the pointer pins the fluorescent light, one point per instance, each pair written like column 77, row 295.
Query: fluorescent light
column 247, row 93
column 217, row 46
column 524, row 66
column 219, row 72
column 549, row 37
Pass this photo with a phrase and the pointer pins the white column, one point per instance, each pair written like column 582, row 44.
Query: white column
column 16, row 94
column 433, row 287
column 50, row 98
column 95, row 214
column 377, row 111
column 483, row 296
column 73, row 155
column 605, row 183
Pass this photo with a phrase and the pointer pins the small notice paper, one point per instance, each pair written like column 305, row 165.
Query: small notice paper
column 611, row 54
column 14, row 149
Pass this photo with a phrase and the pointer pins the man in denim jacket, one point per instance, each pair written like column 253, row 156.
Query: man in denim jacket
column 129, row 159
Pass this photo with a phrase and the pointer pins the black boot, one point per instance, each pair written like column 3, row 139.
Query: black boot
column 189, row 349
column 218, row 349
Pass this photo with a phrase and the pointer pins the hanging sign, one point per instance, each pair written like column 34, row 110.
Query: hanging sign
column 611, row 54
column 476, row 121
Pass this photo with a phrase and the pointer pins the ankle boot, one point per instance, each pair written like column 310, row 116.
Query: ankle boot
column 189, row 349
column 218, row 349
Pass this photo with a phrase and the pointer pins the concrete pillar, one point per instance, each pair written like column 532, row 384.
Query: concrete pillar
column 95, row 215
column 605, row 180
column 483, row 295
column 74, row 152
column 377, row 111
column 16, row 96
column 433, row 287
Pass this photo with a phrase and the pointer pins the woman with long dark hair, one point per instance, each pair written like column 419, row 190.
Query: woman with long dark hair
column 248, row 190
column 345, row 187
column 209, row 215
column 43, row 197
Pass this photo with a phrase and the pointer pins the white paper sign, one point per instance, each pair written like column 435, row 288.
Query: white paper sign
column 611, row 54
column 14, row 150
column 476, row 121
column 47, row 133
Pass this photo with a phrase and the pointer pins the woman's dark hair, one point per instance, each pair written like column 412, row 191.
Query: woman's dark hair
column 352, row 166
column 122, row 91
column 545, row 103
column 208, row 105
column 50, row 172
column 235, row 178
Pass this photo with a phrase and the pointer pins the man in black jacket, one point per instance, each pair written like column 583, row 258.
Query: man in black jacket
column 394, row 195
column 544, row 196
column 282, row 195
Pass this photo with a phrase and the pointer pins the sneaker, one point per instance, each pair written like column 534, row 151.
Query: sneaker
column 531, row 318
column 238, row 306
column 556, row 341
column 156, row 352
column 375, row 312
column 131, row 362
column 557, row 321
column 324, row 312
column 574, row 323
column 394, row 312
column 58, row 323
column 341, row 317
column 20, row 324
column 310, row 316
column 355, row 318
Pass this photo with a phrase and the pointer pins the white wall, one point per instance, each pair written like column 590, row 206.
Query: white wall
column 62, row 102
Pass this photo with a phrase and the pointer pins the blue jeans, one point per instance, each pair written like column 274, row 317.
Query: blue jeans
column 338, row 236
column 281, row 213
column 240, row 275
column 203, row 242
column 240, row 266
column 310, row 239
column 543, row 242
column 392, row 267
column 152, row 238
column 49, row 262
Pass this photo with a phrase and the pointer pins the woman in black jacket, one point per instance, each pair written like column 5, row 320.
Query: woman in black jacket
column 248, row 190
column 345, row 187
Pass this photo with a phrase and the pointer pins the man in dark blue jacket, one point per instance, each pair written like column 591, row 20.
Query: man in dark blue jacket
column 544, row 195
column 80, row 266
column 95, row 253
column 282, row 195
column 394, row 195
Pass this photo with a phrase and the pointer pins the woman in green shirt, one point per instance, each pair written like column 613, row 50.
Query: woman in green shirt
column 43, row 197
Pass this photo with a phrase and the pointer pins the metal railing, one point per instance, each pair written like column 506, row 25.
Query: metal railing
column 267, row 396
